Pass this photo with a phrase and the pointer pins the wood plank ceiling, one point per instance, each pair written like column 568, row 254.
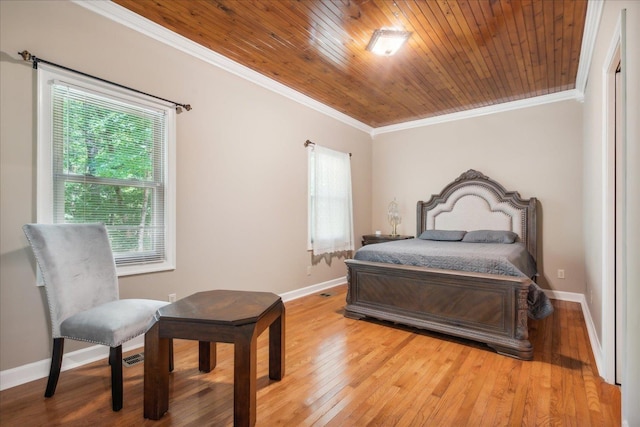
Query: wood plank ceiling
column 461, row 55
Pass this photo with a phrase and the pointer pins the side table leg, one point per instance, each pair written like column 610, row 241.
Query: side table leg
column 244, row 376
column 277, row 346
column 207, row 356
column 156, row 374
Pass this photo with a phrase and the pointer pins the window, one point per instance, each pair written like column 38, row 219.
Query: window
column 106, row 154
column 330, row 205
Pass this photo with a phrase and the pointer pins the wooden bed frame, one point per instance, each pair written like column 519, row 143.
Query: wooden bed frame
column 488, row 308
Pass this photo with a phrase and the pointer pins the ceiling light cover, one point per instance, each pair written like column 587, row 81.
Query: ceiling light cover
column 387, row 42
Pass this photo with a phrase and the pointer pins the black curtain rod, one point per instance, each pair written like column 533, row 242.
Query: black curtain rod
column 29, row 57
column 308, row 143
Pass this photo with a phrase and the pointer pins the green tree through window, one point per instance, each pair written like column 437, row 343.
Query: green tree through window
column 108, row 168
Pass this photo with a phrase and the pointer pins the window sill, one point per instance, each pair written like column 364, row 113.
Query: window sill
column 143, row 269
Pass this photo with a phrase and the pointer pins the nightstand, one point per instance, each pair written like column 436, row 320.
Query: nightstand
column 369, row 239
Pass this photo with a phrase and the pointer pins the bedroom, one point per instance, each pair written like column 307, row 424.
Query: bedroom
column 549, row 151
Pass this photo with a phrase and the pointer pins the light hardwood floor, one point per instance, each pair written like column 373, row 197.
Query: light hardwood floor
column 344, row 372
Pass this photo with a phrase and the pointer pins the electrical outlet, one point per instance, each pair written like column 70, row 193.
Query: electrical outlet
column 560, row 274
column 172, row 297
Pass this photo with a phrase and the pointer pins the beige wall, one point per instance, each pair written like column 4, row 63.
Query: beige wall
column 241, row 168
column 593, row 178
column 536, row 151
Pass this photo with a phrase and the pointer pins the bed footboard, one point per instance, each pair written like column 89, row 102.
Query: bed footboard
column 486, row 308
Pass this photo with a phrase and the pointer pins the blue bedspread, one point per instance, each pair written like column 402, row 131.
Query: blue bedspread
column 493, row 258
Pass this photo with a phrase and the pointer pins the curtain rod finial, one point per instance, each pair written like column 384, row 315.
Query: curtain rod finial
column 179, row 107
column 26, row 55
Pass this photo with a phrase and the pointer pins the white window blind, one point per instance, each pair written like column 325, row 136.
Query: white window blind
column 330, row 201
column 107, row 158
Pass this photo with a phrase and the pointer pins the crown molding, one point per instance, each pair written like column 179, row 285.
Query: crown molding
column 591, row 25
column 483, row 111
column 157, row 32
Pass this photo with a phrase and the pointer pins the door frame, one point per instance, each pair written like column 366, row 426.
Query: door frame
column 615, row 56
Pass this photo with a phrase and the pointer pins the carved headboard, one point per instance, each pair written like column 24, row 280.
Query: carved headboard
column 476, row 202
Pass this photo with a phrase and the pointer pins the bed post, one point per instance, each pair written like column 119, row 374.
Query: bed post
column 522, row 329
column 349, row 284
column 532, row 228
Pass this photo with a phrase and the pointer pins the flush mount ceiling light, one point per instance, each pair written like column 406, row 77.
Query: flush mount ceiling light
column 387, row 42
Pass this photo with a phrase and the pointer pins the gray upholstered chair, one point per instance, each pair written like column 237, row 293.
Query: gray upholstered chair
column 81, row 284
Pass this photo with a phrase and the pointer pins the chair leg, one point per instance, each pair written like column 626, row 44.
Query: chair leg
column 56, row 364
column 115, row 356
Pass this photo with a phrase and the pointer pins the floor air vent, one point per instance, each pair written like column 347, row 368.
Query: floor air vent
column 134, row 359
column 326, row 294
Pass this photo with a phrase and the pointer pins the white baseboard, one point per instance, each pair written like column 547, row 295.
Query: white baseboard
column 310, row 290
column 36, row 370
column 591, row 329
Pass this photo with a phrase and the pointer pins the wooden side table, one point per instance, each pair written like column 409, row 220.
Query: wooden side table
column 369, row 239
column 236, row 317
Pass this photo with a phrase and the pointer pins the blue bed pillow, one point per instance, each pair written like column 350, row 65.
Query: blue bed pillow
column 490, row 236
column 443, row 235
